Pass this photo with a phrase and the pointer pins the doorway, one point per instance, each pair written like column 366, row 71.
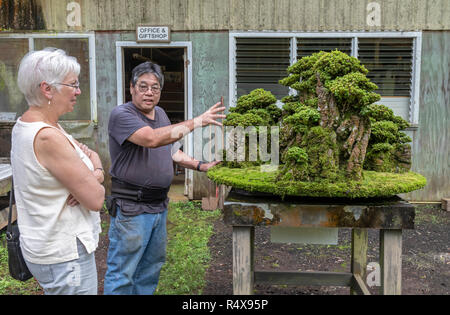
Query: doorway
column 176, row 98
column 171, row 61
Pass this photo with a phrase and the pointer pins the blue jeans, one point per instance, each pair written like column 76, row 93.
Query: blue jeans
column 137, row 251
column 75, row 277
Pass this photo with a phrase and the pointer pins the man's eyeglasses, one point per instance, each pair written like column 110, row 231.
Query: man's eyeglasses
column 143, row 88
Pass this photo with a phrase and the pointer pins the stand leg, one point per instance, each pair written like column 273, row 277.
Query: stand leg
column 391, row 262
column 243, row 277
column 359, row 254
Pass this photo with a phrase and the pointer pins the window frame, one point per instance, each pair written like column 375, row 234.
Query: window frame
column 415, row 71
column 92, row 64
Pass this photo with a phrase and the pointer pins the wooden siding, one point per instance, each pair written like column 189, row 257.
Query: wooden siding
column 431, row 149
column 280, row 15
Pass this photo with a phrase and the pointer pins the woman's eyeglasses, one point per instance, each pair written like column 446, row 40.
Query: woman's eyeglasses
column 75, row 86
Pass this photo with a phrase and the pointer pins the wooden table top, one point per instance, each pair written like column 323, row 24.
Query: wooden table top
column 385, row 213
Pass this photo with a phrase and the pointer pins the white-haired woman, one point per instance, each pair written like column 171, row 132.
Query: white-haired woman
column 57, row 181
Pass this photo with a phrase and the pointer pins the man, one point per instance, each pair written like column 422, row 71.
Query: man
column 143, row 145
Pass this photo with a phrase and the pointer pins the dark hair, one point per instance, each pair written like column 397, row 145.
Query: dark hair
column 147, row 67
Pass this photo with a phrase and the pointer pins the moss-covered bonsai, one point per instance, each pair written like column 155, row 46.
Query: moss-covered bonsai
column 330, row 131
column 254, row 110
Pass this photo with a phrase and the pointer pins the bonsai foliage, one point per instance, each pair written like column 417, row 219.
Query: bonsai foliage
column 335, row 124
column 256, row 109
column 389, row 149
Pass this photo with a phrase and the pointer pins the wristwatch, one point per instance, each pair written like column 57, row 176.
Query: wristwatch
column 199, row 164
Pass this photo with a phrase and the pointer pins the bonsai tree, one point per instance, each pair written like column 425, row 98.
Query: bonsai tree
column 329, row 132
column 389, row 149
column 331, row 129
column 256, row 109
column 332, row 124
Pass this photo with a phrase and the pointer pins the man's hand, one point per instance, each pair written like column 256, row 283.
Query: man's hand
column 186, row 161
column 209, row 117
column 206, row 166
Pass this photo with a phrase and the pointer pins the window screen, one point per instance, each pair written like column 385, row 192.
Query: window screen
column 261, row 63
column 389, row 61
column 12, row 101
column 309, row 46
column 78, row 48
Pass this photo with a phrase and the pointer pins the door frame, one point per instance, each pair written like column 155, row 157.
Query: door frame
column 188, row 113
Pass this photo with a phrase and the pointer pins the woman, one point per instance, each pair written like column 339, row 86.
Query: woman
column 57, row 180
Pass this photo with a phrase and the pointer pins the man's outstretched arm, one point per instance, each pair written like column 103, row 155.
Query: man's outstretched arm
column 153, row 138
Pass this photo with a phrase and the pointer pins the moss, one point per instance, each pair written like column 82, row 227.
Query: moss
column 373, row 184
column 323, row 154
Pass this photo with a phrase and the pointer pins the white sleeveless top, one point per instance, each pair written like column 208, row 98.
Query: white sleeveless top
column 49, row 228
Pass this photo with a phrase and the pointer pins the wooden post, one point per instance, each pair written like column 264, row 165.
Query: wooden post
column 223, row 194
column 446, row 204
column 4, row 216
column 243, row 267
column 359, row 254
column 391, row 262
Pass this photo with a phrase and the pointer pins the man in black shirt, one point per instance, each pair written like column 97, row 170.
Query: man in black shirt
column 143, row 144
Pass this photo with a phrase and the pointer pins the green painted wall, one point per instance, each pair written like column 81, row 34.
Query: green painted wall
column 210, row 79
column 431, row 148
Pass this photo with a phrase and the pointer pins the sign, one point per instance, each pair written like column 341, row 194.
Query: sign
column 147, row 33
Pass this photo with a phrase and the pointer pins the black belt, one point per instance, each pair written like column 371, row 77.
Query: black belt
column 124, row 190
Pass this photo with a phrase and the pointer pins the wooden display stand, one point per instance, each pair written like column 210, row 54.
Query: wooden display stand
column 390, row 216
column 5, row 187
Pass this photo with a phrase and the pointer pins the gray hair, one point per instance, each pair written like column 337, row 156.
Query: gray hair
column 50, row 65
column 147, row 67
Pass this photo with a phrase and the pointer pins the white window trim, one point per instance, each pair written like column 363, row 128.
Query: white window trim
column 417, row 53
column 92, row 64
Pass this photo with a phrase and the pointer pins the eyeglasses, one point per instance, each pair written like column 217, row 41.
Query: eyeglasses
column 75, row 86
column 143, row 88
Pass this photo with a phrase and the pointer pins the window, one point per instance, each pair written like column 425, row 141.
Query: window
column 309, row 46
column 259, row 60
column 12, row 50
column 260, row 63
column 389, row 61
column 11, row 99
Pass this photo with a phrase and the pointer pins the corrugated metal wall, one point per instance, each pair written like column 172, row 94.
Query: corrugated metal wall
column 281, row 15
